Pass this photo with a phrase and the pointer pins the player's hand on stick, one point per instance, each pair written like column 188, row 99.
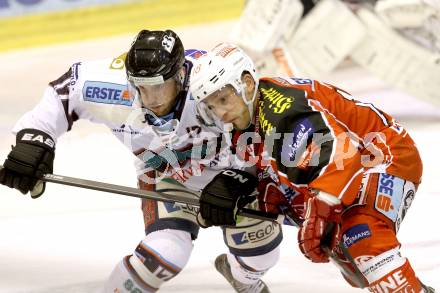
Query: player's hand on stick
column 29, row 160
column 320, row 227
column 223, row 197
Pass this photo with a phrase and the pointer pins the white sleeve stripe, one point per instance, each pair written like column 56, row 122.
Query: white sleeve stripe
column 382, row 117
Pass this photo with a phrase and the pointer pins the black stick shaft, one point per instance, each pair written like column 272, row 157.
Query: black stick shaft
column 181, row 197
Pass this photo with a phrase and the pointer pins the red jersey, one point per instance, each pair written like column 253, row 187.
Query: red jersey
column 323, row 139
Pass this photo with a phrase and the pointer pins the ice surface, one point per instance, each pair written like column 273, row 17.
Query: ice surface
column 70, row 239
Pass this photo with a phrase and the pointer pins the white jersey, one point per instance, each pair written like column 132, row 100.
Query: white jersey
column 193, row 154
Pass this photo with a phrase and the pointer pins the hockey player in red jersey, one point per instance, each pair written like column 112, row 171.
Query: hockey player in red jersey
column 342, row 170
column 142, row 96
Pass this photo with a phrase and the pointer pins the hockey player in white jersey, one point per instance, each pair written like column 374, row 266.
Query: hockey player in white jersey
column 142, row 96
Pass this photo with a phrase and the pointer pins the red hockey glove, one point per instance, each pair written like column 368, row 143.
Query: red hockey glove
column 270, row 197
column 273, row 200
column 321, row 224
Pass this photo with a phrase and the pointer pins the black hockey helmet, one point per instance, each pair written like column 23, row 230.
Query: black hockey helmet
column 154, row 57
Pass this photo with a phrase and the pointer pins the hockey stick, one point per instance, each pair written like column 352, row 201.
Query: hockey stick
column 187, row 197
column 184, row 197
column 348, row 266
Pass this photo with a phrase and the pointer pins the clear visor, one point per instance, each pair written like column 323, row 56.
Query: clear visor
column 208, row 116
column 152, row 95
column 145, row 81
column 135, row 82
column 217, row 100
column 155, row 97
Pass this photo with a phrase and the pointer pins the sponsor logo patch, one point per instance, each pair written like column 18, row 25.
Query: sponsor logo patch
column 355, row 234
column 277, row 102
column 119, row 62
column 362, row 259
column 193, row 53
column 376, row 264
column 389, row 195
column 254, row 236
column 188, row 209
column 106, row 93
column 395, row 282
column 296, row 142
column 39, row 138
column 378, row 267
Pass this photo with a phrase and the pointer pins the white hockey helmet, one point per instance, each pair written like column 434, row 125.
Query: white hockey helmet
column 223, row 65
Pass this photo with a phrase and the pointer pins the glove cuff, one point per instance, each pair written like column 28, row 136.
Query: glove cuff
column 36, row 137
column 328, row 198
column 321, row 207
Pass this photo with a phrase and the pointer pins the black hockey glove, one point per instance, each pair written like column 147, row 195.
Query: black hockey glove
column 228, row 191
column 29, row 160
